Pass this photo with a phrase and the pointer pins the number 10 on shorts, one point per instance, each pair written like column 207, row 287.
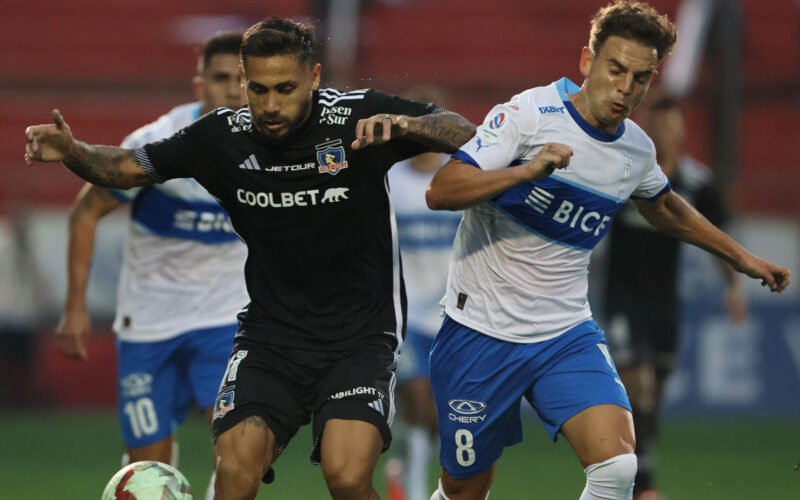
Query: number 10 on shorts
column 464, row 452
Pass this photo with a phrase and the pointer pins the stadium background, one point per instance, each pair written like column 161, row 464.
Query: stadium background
column 733, row 407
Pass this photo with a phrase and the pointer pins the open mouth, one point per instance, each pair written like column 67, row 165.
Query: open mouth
column 618, row 108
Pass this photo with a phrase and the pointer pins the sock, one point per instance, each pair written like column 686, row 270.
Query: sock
column 610, row 480
column 418, row 458
column 439, row 493
column 210, row 490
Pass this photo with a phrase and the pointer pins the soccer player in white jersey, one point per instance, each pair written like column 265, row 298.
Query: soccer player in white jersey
column 181, row 283
column 541, row 182
column 426, row 240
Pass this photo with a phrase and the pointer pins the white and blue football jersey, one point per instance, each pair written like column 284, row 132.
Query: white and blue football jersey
column 520, row 260
column 183, row 267
column 426, row 240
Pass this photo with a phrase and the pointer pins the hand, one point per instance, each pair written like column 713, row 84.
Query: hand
column 51, row 142
column 547, row 160
column 72, row 334
column 379, row 129
column 777, row 278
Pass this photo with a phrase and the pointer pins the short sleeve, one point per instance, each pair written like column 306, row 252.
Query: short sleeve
column 176, row 156
column 385, row 103
column 496, row 143
column 654, row 183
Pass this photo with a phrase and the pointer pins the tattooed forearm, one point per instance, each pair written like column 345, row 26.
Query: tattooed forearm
column 106, row 166
column 443, row 132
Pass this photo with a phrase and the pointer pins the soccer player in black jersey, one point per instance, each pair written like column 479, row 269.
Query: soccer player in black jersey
column 302, row 173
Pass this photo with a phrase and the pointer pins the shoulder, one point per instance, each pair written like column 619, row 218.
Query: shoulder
column 166, row 125
column 638, row 138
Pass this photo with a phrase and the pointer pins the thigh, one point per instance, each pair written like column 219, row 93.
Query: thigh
column 599, row 433
column 477, row 382
column 359, row 385
column 263, row 381
column 207, row 355
column 150, row 394
column 578, row 373
column 350, row 447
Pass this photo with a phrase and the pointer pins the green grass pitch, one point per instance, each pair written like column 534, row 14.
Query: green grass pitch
column 70, row 456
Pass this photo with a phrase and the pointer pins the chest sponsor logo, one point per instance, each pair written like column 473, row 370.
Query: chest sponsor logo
column 286, row 199
column 335, row 115
column 251, row 163
column 330, row 156
column 551, row 109
column 576, row 215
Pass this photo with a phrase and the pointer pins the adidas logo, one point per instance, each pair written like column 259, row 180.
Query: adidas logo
column 250, row 163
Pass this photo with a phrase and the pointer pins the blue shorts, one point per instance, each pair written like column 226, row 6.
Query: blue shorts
column 479, row 381
column 413, row 362
column 159, row 380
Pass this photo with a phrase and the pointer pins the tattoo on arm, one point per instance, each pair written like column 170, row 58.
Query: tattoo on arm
column 106, row 166
column 443, row 132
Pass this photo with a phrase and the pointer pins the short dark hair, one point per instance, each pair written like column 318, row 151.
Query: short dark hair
column 635, row 21
column 279, row 36
column 221, row 43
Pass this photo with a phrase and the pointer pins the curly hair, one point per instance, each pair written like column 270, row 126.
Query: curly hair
column 636, row 21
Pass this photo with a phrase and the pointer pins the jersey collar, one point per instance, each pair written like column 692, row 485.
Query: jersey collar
column 565, row 87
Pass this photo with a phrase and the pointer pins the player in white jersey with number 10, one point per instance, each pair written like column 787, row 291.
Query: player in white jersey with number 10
column 541, row 182
column 181, row 283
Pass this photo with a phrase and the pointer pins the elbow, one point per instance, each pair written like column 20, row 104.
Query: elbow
column 436, row 201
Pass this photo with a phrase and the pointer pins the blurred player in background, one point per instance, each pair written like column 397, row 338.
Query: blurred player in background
column 641, row 299
column 302, row 172
column 541, row 182
column 426, row 241
column 181, row 283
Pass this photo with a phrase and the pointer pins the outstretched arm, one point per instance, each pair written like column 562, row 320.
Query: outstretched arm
column 74, row 327
column 101, row 165
column 457, row 186
column 673, row 215
column 441, row 132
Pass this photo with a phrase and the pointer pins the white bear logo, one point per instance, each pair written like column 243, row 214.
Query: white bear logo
column 334, row 194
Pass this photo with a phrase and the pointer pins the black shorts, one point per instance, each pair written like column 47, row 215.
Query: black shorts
column 642, row 333
column 288, row 387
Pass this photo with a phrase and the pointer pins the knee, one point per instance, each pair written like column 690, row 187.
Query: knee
column 612, row 478
column 236, row 478
column 348, row 481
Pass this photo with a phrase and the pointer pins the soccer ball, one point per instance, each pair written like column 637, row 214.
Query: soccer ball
column 148, row 481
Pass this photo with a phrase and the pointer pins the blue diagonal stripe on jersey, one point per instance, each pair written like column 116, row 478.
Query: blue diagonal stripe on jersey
column 173, row 217
column 575, row 217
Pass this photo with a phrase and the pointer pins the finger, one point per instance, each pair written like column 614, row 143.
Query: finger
column 58, row 119
column 29, row 133
column 783, row 281
column 769, row 280
column 369, row 131
column 360, row 130
column 387, row 128
column 403, row 124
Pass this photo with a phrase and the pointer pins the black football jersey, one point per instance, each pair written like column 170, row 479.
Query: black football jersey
column 643, row 262
column 323, row 267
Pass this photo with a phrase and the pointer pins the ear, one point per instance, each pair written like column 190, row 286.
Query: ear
column 587, row 58
column 197, row 83
column 316, row 72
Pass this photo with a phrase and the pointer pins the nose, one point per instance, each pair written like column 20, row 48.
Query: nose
column 271, row 103
column 235, row 89
column 626, row 85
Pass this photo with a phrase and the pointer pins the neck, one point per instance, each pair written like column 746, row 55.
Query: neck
column 581, row 102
